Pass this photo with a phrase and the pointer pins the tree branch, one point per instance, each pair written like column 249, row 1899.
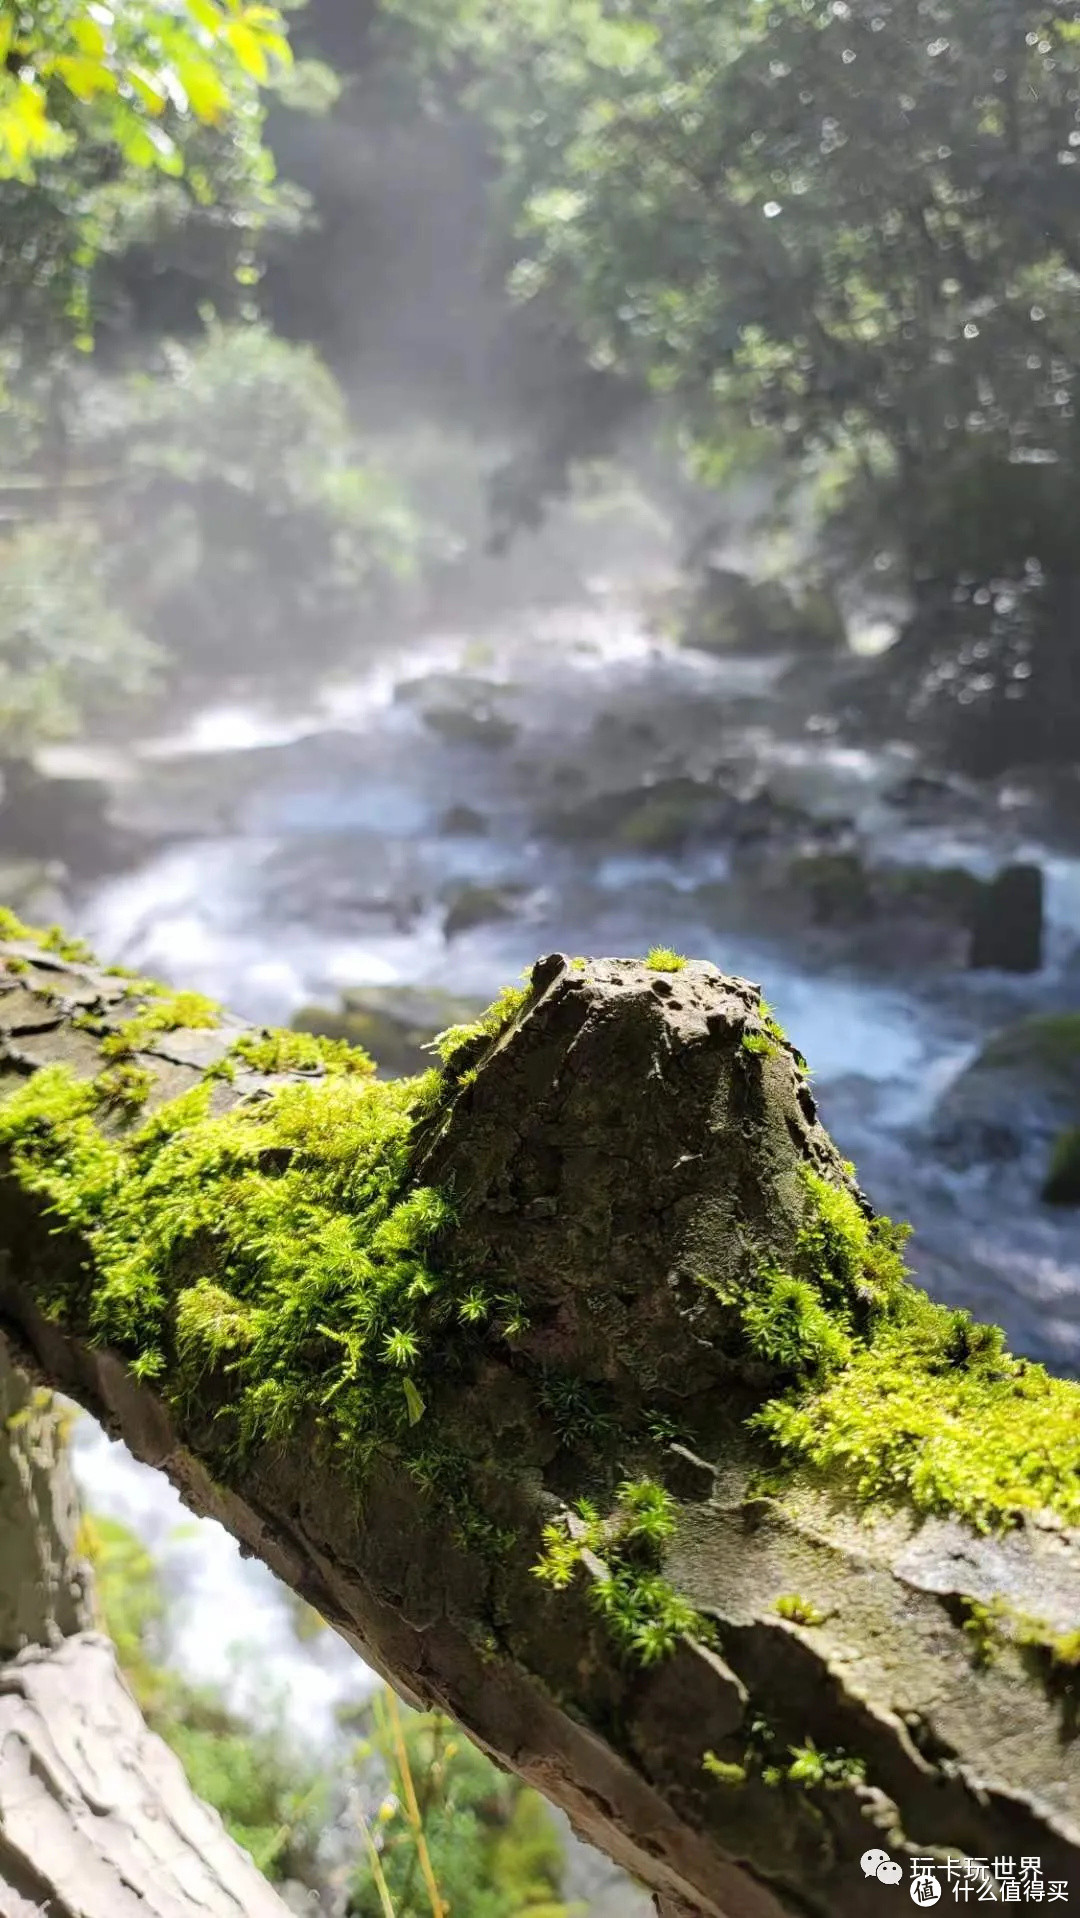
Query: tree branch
column 388, row 1334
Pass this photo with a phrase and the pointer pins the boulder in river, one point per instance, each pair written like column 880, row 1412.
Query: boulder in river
column 392, row 1023
column 460, row 708
column 731, row 613
column 471, row 905
column 1021, row 1093
column 1063, row 1179
column 658, row 816
column 1007, row 921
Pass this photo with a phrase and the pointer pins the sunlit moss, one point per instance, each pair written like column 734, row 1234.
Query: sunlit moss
column 276, row 1050
column 643, row 1613
column 663, row 959
column 166, row 1012
column 456, row 1040
column 799, row 1610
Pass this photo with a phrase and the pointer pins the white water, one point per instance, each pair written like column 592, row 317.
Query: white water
column 311, row 856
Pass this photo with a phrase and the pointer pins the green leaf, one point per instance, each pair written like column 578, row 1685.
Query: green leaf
column 413, row 1400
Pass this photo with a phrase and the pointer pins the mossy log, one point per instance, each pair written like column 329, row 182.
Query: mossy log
column 578, row 1387
column 97, row 1819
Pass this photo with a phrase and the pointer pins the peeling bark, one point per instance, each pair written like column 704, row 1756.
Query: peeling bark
column 608, row 1150
column 97, row 1819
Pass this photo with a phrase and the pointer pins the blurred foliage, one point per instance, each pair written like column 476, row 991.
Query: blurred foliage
column 271, row 1798
column 847, row 228
column 848, row 224
column 119, row 123
column 452, row 1833
column 245, row 526
column 66, row 651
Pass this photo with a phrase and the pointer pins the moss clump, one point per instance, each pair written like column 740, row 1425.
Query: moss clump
column 167, row 1012
column 798, row 1610
column 1062, row 1185
column 724, row 1774
column 296, row 1214
column 458, row 1041
column 926, row 1405
column 50, row 939
column 274, row 1050
column 644, row 1614
column 125, row 1085
column 662, row 959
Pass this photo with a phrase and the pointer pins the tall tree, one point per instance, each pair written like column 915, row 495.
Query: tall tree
column 850, row 225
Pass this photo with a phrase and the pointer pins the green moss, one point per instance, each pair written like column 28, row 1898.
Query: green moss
column 1062, row 1185
column 12, row 927
column 167, row 1012
column 798, row 1610
column 928, row 1408
column 724, row 1774
column 50, row 938
column 282, row 1238
column 459, row 1040
column 75, row 951
column 275, row 1050
column 662, row 959
column 14, row 963
column 644, row 1614
column 125, row 1085
column 812, row 1769
column 787, row 1323
column 760, row 1043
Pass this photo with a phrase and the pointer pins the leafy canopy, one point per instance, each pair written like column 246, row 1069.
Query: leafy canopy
column 130, row 76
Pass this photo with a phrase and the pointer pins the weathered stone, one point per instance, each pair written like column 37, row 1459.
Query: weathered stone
column 1007, row 921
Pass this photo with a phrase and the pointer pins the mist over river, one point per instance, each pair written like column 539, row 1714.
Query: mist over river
column 408, row 824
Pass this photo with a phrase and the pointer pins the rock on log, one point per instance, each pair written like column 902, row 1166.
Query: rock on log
column 578, row 1388
column 97, row 1819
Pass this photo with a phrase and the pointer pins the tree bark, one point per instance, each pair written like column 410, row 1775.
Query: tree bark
column 611, row 1150
column 97, row 1819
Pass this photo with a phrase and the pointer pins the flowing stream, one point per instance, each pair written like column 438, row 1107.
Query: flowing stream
column 302, row 850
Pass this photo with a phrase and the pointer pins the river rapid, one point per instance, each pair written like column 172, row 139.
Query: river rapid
column 394, row 825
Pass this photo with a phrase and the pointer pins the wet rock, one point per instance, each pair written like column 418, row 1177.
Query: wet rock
column 393, row 1023
column 1019, row 1095
column 460, row 709
column 659, row 817
column 1063, row 1179
column 472, row 906
column 463, row 822
column 1007, row 921
column 730, row 612
column 45, row 819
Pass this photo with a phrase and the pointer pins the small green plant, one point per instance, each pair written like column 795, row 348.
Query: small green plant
column 165, row 1012
column 663, row 959
column 643, row 1613
column 760, row 1044
column 799, row 1611
column 125, row 1085
column 276, row 1050
column 724, row 1773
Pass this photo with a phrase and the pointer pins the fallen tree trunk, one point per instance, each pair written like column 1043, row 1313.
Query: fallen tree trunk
column 578, row 1388
column 97, row 1819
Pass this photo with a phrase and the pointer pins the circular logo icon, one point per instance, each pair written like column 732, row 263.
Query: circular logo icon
column 925, row 1890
